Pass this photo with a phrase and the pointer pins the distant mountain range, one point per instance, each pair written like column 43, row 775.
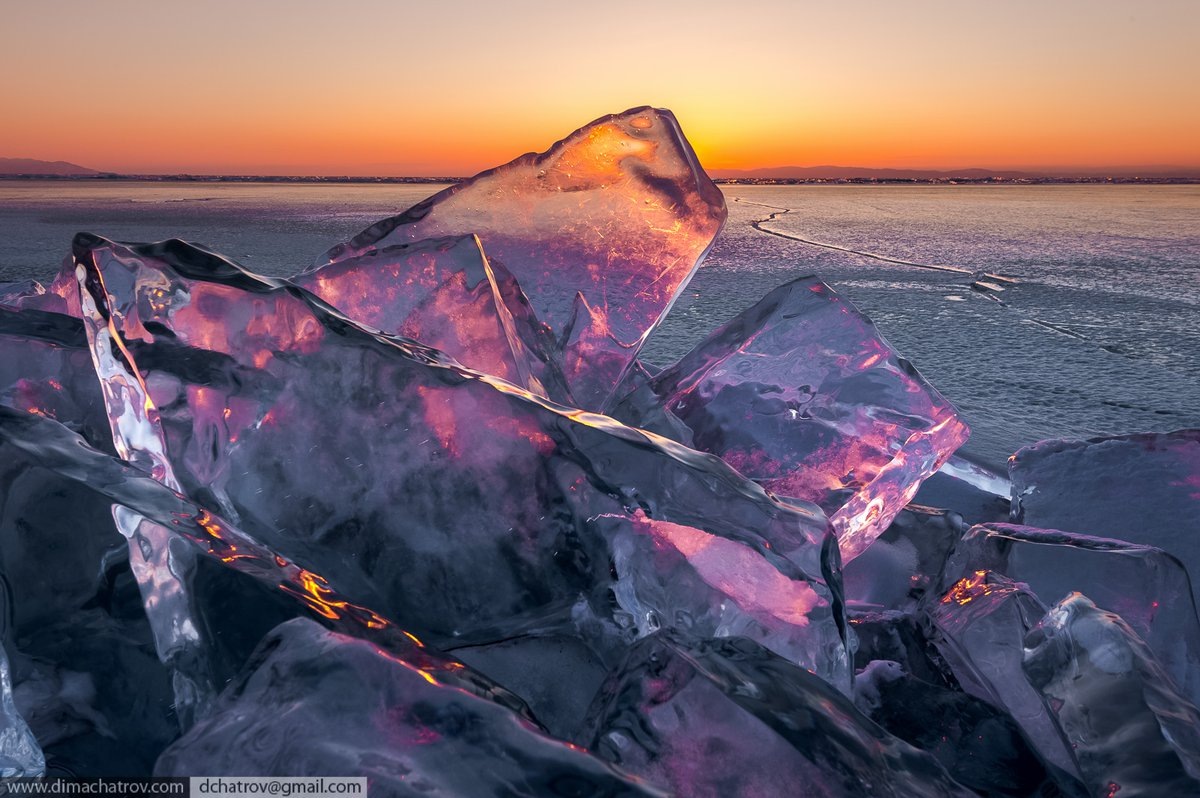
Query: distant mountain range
column 31, row 166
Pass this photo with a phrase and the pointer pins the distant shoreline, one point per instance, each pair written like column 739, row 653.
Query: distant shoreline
column 730, row 181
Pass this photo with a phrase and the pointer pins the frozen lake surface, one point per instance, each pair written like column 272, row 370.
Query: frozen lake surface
column 1101, row 333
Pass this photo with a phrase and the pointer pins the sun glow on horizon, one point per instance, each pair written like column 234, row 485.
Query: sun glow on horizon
column 390, row 89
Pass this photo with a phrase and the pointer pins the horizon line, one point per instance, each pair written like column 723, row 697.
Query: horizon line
column 764, row 172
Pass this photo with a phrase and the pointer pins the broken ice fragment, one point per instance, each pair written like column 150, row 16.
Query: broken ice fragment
column 46, row 369
column 160, row 562
column 61, row 296
column 602, row 232
column 1147, row 587
column 979, row 629
column 262, row 392
column 1133, row 733
column 16, row 296
column 444, row 293
column 312, row 702
column 801, row 394
column 904, row 562
column 728, row 718
column 20, row 754
column 1142, row 488
column 675, row 576
column 977, row 743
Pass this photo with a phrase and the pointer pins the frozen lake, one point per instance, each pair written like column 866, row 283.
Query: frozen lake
column 1099, row 335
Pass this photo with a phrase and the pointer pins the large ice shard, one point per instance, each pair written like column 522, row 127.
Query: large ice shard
column 802, row 394
column 1142, row 488
column 444, row 293
column 727, row 718
column 309, row 432
column 979, row 629
column 602, row 231
column 1132, row 732
column 312, row 702
column 1147, row 587
column 162, row 563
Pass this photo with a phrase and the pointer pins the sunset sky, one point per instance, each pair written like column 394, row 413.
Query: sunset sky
column 418, row 88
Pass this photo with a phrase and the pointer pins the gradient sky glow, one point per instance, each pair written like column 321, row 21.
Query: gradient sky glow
column 403, row 88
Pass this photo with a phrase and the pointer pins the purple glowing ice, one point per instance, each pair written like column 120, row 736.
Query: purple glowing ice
column 802, row 394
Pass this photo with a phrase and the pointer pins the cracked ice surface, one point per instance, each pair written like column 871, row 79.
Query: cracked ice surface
column 602, row 232
column 509, row 502
column 801, row 394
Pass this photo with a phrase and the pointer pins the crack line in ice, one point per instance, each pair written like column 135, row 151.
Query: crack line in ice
column 984, row 286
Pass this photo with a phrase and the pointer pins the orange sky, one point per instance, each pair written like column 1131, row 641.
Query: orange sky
column 401, row 88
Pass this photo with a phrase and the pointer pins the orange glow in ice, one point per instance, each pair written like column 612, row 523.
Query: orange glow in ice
column 314, row 591
column 970, row 588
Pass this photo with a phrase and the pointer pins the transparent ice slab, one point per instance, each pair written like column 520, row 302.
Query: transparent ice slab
column 802, row 394
column 602, row 231
column 49, row 445
column 1132, row 731
column 1142, row 488
column 1147, row 587
column 445, row 293
column 979, row 627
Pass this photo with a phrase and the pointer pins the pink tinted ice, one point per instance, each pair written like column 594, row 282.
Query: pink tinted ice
column 444, row 293
column 450, row 500
column 803, row 395
column 602, row 231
